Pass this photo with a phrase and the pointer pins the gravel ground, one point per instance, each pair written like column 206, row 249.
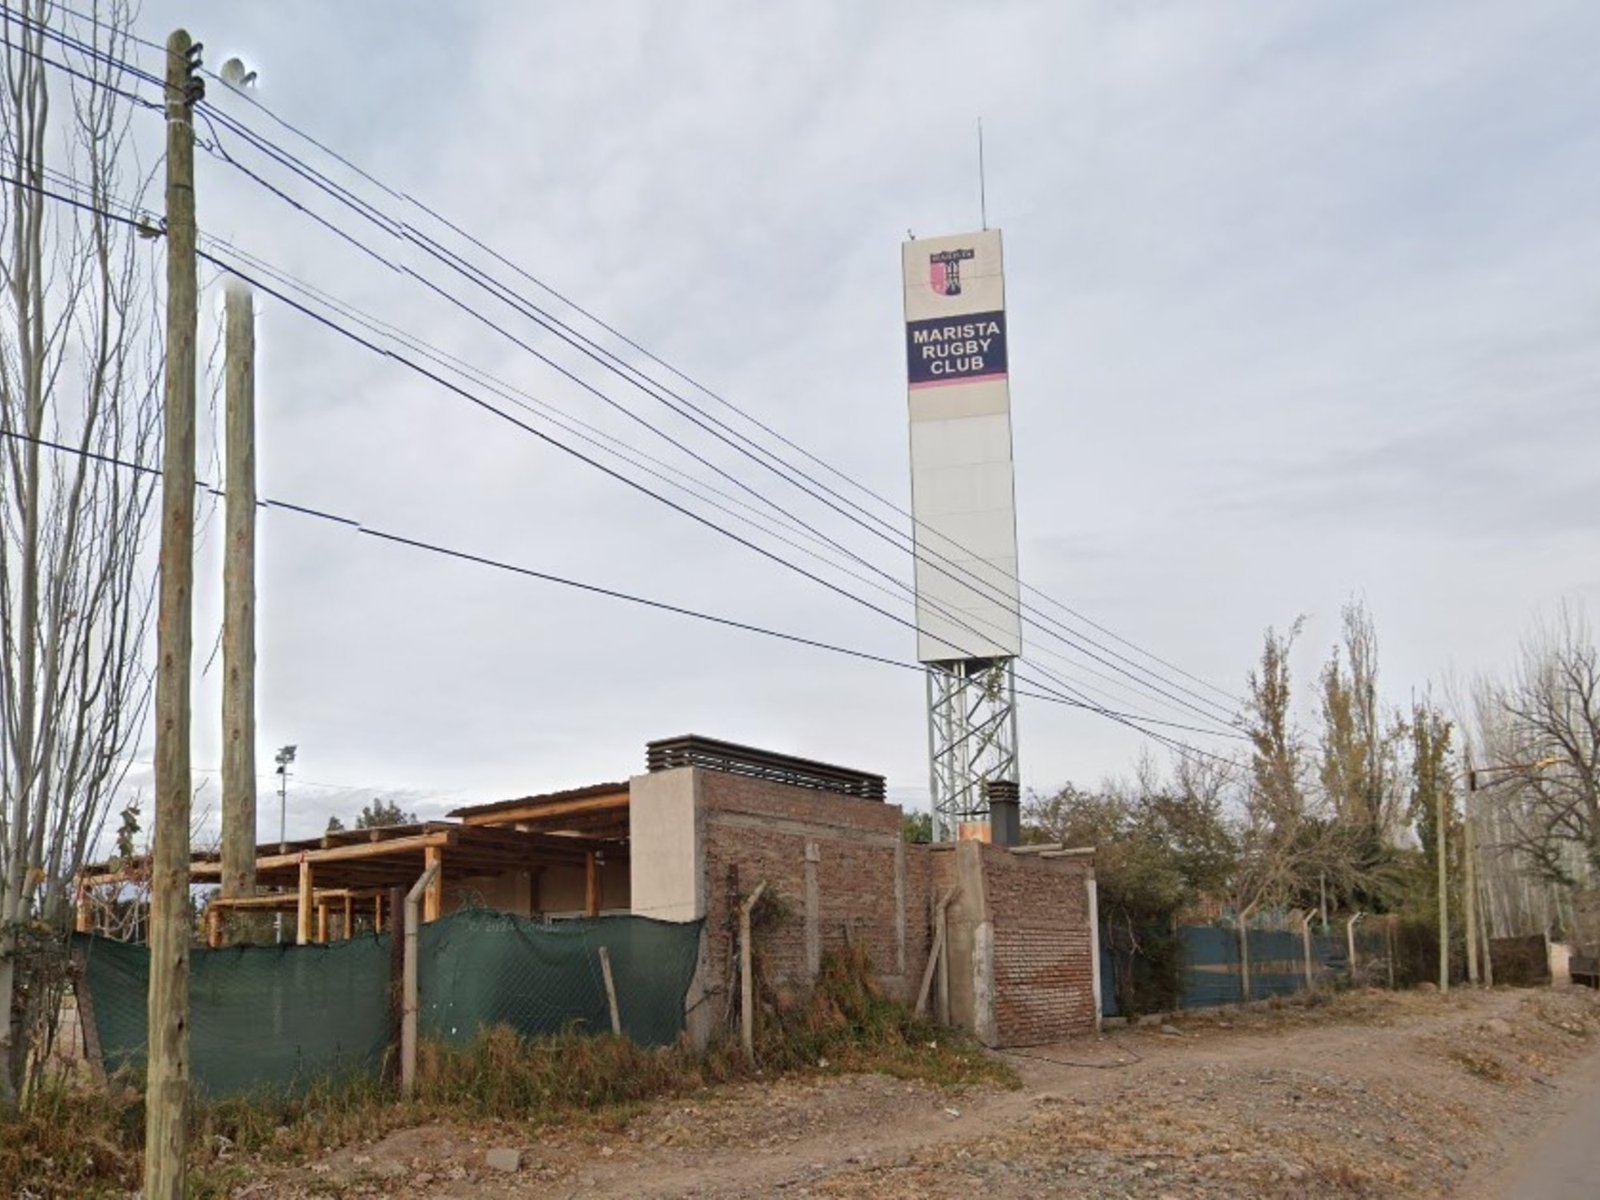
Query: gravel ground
column 1368, row 1095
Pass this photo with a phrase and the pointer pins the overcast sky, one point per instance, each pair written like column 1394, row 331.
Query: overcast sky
column 1302, row 306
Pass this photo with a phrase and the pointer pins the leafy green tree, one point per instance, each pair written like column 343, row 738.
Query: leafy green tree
column 1158, row 847
column 916, row 828
column 379, row 814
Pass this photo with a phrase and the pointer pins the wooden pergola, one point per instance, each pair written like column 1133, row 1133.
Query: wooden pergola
column 597, row 811
column 346, row 873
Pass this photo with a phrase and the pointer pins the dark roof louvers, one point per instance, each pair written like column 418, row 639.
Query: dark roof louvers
column 733, row 759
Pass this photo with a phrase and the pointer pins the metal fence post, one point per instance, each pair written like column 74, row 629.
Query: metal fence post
column 1350, row 944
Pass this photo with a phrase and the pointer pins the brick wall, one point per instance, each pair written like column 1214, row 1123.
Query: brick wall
column 1021, row 966
column 1043, row 961
column 830, row 862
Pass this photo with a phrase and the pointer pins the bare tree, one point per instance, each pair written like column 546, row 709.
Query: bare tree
column 1547, row 752
column 78, row 367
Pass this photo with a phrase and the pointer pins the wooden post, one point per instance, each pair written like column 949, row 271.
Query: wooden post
column 433, row 901
column 747, row 987
column 1350, row 944
column 322, row 922
column 1305, row 941
column 1440, row 812
column 611, row 991
column 213, row 926
column 349, row 917
column 1244, row 951
column 935, row 952
column 239, row 601
column 83, row 916
column 377, row 911
column 1469, row 892
column 302, row 924
column 167, row 1089
column 1388, row 938
column 591, row 884
column 410, row 1001
column 1483, row 932
column 941, row 1010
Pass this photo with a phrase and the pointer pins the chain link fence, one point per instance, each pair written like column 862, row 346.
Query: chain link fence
column 1209, row 965
column 480, row 967
column 281, row 1018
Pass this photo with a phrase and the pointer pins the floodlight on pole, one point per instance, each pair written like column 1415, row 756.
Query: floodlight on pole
column 285, row 758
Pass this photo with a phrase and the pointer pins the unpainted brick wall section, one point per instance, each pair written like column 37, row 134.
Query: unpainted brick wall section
column 1043, row 961
column 834, row 863
column 830, row 864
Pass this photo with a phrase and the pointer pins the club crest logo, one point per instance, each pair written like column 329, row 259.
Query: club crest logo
column 944, row 271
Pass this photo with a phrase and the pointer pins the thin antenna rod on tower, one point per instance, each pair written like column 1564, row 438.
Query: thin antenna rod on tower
column 983, row 196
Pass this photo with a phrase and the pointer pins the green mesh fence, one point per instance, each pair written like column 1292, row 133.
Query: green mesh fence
column 282, row 1017
column 479, row 967
column 261, row 1017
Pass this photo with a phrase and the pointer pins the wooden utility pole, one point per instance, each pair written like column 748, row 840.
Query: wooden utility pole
column 167, row 1087
column 239, row 602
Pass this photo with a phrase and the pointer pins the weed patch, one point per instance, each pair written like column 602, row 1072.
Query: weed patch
column 76, row 1140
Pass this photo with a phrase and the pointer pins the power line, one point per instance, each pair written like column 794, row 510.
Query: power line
column 596, row 589
column 608, row 444
column 403, row 360
column 595, row 354
column 585, row 458
column 585, row 345
column 1056, row 679
column 402, row 230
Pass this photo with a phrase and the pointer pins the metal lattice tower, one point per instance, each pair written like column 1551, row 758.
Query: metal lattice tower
column 972, row 738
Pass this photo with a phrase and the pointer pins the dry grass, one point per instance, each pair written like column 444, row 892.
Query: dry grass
column 76, row 1140
column 847, row 1025
column 1483, row 1065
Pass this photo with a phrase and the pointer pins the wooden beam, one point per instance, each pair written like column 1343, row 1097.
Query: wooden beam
column 335, row 854
column 302, row 929
column 529, row 839
column 540, row 811
column 433, row 896
column 591, row 884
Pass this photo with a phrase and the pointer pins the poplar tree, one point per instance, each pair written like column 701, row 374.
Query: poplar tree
column 79, row 368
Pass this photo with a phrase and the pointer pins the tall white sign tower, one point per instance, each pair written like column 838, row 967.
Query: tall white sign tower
column 969, row 628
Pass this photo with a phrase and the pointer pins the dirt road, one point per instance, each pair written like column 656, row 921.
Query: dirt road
column 1375, row 1095
column 1562, row 1160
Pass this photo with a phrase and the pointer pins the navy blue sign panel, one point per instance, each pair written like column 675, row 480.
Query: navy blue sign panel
column 960, row 349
